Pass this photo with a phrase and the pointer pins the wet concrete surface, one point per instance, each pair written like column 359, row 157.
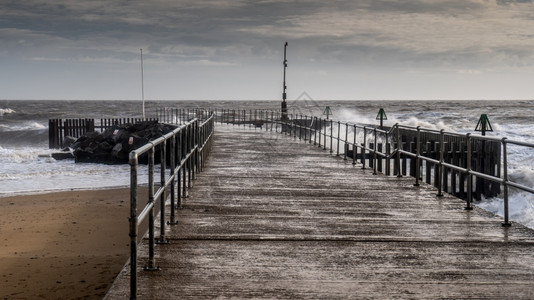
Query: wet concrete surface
column 272, row 217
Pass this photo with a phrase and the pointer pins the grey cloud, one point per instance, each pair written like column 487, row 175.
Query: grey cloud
column 461, row 34
column 505, row 2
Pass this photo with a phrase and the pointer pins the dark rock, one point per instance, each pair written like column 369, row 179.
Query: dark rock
column 114, row 144
column 69, row 140
column 62, row 155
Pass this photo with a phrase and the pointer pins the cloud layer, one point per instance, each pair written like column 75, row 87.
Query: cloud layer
column 195, row 42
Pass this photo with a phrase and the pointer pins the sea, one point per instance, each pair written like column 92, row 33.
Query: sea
column 27, row 168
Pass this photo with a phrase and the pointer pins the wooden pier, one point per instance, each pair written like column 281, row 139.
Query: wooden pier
column 272, row 217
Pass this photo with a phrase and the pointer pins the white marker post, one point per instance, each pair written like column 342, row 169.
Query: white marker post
column 142, row 85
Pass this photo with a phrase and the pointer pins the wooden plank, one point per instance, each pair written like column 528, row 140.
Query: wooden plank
column 272, row 218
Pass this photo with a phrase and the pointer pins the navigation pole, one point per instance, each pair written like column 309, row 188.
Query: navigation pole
column 284, row 95
column 142, row 84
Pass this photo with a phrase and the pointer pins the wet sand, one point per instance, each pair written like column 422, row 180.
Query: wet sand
column 65, row 245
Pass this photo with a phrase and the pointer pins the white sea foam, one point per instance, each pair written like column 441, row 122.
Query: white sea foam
column 22, row 126
column 32, row 170
column 4, row 111
column 520, row 207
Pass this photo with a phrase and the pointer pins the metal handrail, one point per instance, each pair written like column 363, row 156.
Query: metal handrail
column 189, row 146
column 316, row 128
column 504, row 180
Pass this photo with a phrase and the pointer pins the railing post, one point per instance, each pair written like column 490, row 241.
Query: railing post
column 506, row 222
column 363, row 148
column 314, row 123
column 133, row 227
column 151, row 264
column 388, row 152
column 346, row 141
column 163, row 166
column 300, row 127
column 417, row 157
column 354, row 151
column 324, row 134
column 294, row 125
column 190, row 165
column 331, row 136
column 469, row 176
column 319, row 133
column 179, row 148
column 309, row 128
column 441, row 168
column 338, row 133
column 183, row 159
column 173, row 181
column 195, row 148
column 398, row 160
column 375, row 162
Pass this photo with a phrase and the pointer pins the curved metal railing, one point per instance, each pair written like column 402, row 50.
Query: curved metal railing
column 187, row 148
column 373, row 145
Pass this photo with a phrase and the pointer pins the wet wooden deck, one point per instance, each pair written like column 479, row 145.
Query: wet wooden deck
column 275, row 218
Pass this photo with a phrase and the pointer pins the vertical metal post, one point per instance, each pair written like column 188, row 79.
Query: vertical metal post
column 133, row 227
column 441, row 168
column 469, row 175
column 194, row 147
column 364, row 145
column 295, row 124
column 320, row 129
column 151, row 265
column 314, row 130
column 375, row 162
column 300, row 127
column 338, row 134
column 506, row 222
column 388, row 152
column 190, row 138
column 284, row 87
column 183, row 160
column 173, row 181
column 398, row 160
column 331, row 136
column 354, row 151
column 179, row 148
column 309, row 129
column 142, row 85
column 163, row 166
column 346, row 141
column 417, row 157
column 324, row 134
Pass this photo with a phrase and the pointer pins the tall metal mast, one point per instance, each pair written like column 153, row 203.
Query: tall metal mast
column 142, row 84
column 284, row 95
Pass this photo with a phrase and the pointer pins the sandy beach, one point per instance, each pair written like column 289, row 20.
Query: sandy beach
column 65, row 245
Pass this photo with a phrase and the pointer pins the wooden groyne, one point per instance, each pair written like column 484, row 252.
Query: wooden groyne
column 273, row 216
column 485, row 158
column 59, row 129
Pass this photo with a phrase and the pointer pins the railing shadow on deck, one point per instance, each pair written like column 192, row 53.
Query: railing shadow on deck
column 464, row 165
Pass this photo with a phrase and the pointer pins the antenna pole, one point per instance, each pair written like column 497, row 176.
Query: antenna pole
column 284, row 95
column 142, row 84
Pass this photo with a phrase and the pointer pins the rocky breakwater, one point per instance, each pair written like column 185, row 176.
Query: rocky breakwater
column 114, row 144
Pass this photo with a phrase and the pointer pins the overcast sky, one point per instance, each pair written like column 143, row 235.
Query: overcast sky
column 231, row 49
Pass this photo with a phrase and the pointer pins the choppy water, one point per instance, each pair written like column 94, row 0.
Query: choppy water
column 24, row 167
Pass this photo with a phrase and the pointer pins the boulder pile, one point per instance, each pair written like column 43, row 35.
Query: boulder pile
column 114, row 144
